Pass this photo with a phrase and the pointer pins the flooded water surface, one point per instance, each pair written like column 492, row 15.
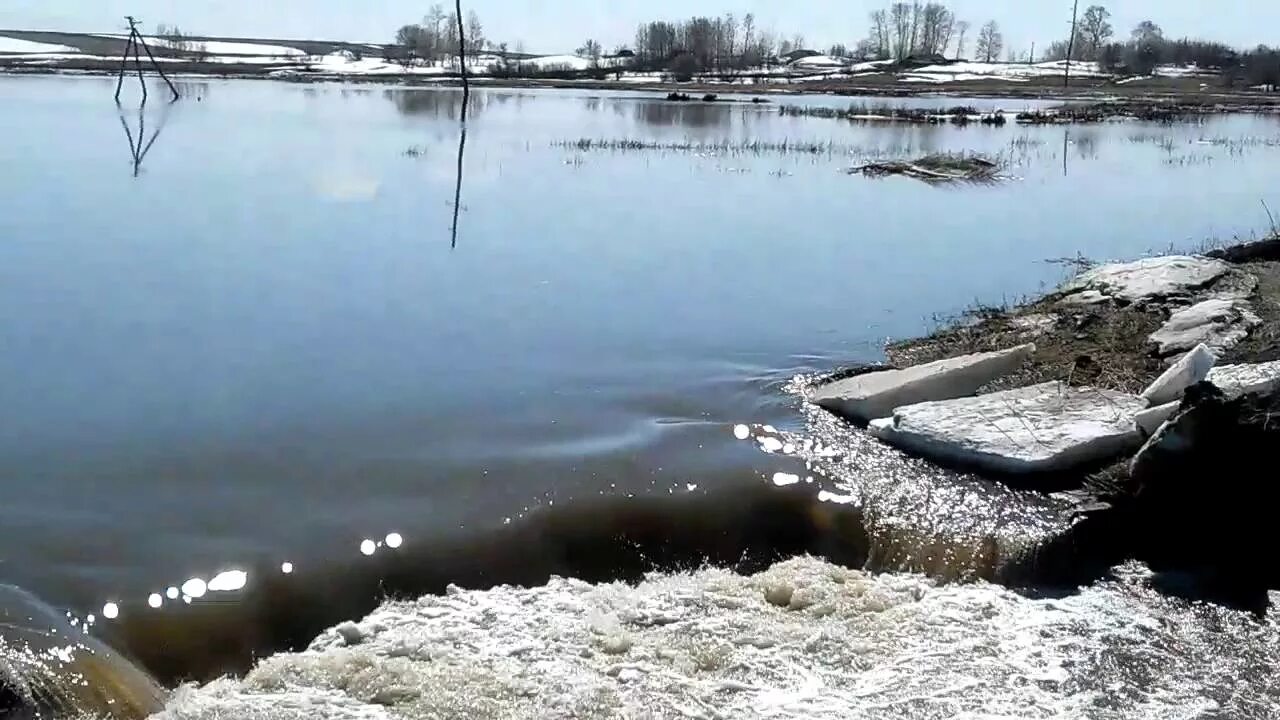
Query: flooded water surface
column 253, row 331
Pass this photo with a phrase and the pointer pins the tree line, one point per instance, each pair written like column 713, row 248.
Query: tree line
column 436, row 37
column 1147, row 48
column 927, row 31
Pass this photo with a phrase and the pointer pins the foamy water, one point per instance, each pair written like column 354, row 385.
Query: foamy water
column 805, row 639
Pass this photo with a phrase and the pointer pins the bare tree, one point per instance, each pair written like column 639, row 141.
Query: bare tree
column 935, row 29
column 900, row 19
column 962, row 29
column 990, row 42
column 1147, row 32
column 475, row 33
column 1095, row 31
column 748, row 32
column 915, row 27
column 408, row 40
column 731, row 38
column 880, row 41
column 591, row 51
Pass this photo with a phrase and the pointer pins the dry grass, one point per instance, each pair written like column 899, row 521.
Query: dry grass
column 1103, row 347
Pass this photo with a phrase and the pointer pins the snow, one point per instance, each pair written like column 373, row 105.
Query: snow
column 553, row 62
column 819, row 61
column 1006, row 71
column 1219, row 323
column 1043, row 428
column 222, row 47
column 1190, row 370
column 875, row 395
column 1247, row 379
column 804, row 639
column 1150, row 278
column 25, row 47
column 953, row 77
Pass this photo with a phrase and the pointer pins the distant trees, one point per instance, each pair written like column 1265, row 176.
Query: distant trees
column 906, row 29
column 713, row 44
column 435, row 37
column 591, row 51
column 990, row 42
column 1094, row 32
column 178, row 41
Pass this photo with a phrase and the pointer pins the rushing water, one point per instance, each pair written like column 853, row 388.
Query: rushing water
column 267, row 343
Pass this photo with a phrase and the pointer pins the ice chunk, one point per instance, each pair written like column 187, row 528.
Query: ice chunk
column 1193, row 368
column 1220, row 323
column 875, row 395
column 1042, row 428
column 1149, row 278
column 1151, row 419
column 1248, row 379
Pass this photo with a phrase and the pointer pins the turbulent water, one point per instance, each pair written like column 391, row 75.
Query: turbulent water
column 805, row 639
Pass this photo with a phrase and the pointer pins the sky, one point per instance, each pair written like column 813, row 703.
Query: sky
column 553, row 26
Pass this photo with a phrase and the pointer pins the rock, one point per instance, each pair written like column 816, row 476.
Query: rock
column 1237, row 380
column 1221, row 324
column 1150, row 420
column 1049, row 427
column 1193, row 368
column 1262, row 250
column 1034, row 325
column 875, row 395
column 1085, row 297
column 1149, row 279
column 1204, row 495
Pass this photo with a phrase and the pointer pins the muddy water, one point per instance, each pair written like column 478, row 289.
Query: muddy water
column 267, row 344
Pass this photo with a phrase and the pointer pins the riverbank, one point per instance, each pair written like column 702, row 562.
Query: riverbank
column 1139, row 333
column 1192, row 90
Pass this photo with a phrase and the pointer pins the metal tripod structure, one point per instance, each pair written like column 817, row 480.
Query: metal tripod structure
column 132, row 46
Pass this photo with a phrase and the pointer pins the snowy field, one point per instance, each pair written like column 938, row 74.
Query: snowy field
column 25, row 47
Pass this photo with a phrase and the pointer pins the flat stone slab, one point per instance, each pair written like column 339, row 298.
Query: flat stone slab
column 1049, row 427
column 1238, row 380
column 1220, row 324
column 1145, row 280
column 875, row 395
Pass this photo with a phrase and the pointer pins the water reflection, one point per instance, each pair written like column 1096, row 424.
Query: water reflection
column 446, row 103
column 683, row 114
column 140, row 145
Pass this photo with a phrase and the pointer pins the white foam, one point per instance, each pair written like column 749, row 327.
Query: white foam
column 805, row 639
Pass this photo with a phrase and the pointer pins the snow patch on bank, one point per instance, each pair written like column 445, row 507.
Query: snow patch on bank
column 26, row 47
column 805, row 639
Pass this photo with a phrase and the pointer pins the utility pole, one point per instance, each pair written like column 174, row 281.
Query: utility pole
column 132, row 46
column 1071, row 43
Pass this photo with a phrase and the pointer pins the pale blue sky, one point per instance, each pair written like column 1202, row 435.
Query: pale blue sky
column 561, row 25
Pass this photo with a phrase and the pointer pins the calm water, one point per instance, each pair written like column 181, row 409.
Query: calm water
column 266, row 346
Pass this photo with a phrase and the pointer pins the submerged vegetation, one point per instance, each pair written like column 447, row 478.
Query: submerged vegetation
column 724, row 147
column 940, row 167
column 881, row 112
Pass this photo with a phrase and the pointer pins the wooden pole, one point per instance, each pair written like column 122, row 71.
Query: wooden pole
column 159, row 69
column 124, row 65
column 462, row 61
column 137, row 62
column 1071, row 43
column 462, row 138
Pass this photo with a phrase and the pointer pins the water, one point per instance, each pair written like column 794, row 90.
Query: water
column 269, row 346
